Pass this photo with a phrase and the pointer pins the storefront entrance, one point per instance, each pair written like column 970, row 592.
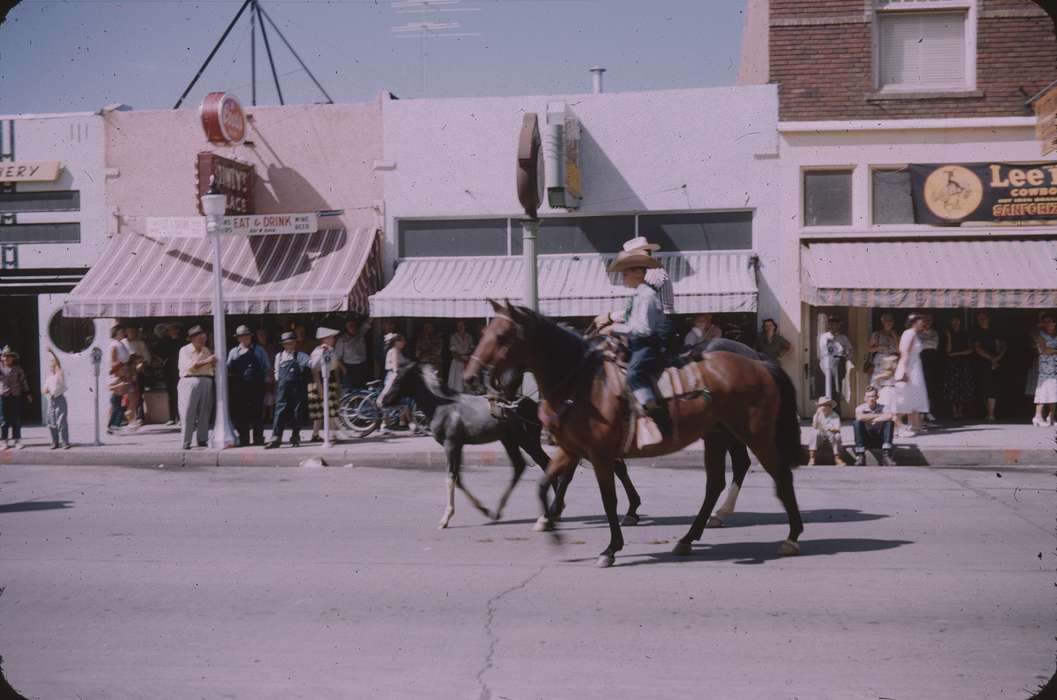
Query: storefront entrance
column 19, row 329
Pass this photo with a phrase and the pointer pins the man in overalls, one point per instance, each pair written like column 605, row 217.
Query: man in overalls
column 291, row 391
column 248, row 367
column 645, row 326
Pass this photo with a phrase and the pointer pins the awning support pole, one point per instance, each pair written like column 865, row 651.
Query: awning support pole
column 529, row 231
column 325, row 376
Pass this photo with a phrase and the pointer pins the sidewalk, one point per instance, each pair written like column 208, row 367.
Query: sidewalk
column 952, row 444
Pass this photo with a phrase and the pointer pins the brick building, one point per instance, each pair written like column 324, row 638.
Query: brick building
column 866, row 89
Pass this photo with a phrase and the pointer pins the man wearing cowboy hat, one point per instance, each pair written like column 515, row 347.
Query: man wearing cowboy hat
column 197, row 366
column 248, row 367
column 645, row 327
column 655, row 277
column 291, row 391
column 14, row 388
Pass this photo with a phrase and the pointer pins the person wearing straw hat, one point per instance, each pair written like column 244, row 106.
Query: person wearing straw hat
column 197, row 365
column 290, row 369
column 14, row 389
column 645, row 327
column 328, row 338
column 656, row 277
column 826, row 423
column 248, row 367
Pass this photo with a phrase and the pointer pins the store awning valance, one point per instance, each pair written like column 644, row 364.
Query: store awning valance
column 1009, row 273
column 569, row 285
column 142, row 275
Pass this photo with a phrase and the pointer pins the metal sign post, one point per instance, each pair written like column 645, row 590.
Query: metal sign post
column 529, row 231
column 326, row 397
column 97, row 360
column 530, row 194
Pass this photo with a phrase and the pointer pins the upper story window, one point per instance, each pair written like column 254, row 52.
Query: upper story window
column 827, row 197
column 925, row 45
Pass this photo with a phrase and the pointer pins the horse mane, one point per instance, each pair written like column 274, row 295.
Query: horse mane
column 432, row 380
column 563, row 344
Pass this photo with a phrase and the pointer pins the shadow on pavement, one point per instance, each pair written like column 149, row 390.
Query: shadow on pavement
column 755, row 552
column 736, row 519
column 24, row 506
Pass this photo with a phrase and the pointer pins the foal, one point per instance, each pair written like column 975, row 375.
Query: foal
column 458, row 419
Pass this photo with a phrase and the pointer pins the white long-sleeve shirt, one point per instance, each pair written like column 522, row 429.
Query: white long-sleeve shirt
column 658, row 279
column 55, row 384
column 646, row 316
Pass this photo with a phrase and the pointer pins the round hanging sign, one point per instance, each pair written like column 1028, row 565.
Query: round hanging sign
column 222, row 118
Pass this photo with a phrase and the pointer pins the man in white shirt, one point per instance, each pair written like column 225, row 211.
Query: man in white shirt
column 197, row 365
column 351, row 351
column 834, row 350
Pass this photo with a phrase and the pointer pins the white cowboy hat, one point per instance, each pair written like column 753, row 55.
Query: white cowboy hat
column 826, row 401
column 8, row 351
column 391, row 338
column 324, row 332
column 243, row 330
column 627, row 260
column 640, row 243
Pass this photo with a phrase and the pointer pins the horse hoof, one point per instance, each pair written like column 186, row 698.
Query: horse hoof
column 724, row 511
column 630, row 519
column 494, row 517
column 682, row 548
column 714, row 521
column 788, row 548
column 605, row 560
column 543, row 524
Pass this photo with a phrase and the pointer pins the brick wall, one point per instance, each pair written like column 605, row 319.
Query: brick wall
column 821, row 53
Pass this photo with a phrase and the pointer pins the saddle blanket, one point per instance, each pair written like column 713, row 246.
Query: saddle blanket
column 681, row 383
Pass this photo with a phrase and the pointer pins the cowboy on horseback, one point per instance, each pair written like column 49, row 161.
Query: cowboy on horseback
column 645, row 326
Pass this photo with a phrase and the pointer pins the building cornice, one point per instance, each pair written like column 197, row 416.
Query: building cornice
column 793, row 127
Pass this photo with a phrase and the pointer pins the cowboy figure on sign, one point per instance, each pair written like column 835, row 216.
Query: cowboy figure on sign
column 645, row 327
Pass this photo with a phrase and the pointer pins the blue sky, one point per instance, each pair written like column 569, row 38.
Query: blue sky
column 74, row 55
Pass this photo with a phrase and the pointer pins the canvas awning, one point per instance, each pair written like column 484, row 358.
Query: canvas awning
column 569, row 285
column 142, row 275
column 978, row 273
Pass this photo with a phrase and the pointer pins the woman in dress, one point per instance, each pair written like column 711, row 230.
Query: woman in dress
column 1046, row 385
column 884, row 341
column 461, row 346
column 959, row 386
column 911, row 395
column 327, row 338
column 770, row 343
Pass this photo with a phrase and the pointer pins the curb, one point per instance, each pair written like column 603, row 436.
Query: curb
column 435, row 459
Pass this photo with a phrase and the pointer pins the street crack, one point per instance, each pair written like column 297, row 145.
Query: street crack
column 493, row 639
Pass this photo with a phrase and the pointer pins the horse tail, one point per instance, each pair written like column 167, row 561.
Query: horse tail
column 787, row 430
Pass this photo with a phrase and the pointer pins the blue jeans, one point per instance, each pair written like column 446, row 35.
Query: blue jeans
column 117, row 412
column 646, row 363
column 872, row 433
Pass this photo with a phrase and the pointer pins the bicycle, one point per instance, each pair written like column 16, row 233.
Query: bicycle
column 360, row 414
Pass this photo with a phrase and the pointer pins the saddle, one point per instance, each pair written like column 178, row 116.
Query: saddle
column 681, row 380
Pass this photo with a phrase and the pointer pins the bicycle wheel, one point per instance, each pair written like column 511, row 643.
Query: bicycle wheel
column 359, row 414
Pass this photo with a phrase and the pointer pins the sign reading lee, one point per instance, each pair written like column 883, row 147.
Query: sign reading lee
column 235, row 179
column 998, row 192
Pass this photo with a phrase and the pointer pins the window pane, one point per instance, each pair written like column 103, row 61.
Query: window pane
column 730, row 230
column 892, row 203
column 449, row 238
column 14, row 202
column 922, row 48
column 40, row 233
column 591, row 234
column 827, row 198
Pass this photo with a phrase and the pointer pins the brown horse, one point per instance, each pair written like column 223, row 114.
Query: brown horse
column 582, row 393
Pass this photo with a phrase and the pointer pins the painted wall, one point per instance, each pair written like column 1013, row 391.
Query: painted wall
column 665, row 150
column 307, row 158
column 861, row 145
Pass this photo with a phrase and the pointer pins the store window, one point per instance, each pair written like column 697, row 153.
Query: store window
column 699, row 231
column 40, row 233
column 827, row 198
column 17, row 202
column 587, row 234
column 71, row 335
column 925, row 45
column 442, row 238
column 892, row 201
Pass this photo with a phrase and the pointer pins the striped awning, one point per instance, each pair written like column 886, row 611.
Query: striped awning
column 569, row 285
column 989, row 273
column 142, row 275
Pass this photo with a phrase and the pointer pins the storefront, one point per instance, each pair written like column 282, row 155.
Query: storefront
column 692, row 170
column 52, row 227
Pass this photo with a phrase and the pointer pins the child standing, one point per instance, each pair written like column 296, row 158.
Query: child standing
column 56, row 417
column 13, row 390
column 827, row 430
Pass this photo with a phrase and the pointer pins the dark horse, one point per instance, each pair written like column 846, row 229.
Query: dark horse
column 458, row 419
column 753, row 401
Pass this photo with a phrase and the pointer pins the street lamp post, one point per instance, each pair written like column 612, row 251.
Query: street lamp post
column 214, row 204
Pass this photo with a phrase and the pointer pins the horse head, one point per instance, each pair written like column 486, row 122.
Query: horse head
column 500, row 347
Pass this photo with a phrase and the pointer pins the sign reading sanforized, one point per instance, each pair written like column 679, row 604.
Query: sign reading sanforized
column 953, row 193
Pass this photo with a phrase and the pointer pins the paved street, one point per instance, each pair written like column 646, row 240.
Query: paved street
column 334, row 583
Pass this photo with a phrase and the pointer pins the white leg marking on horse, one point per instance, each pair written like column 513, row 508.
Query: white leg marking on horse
column 732, row 498
column 450, row 509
